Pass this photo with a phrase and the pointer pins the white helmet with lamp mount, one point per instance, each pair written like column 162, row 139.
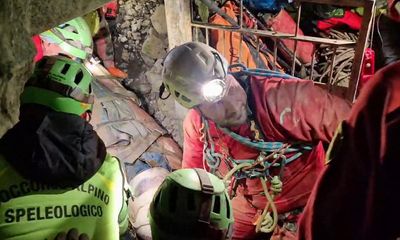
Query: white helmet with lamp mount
column 195, row 73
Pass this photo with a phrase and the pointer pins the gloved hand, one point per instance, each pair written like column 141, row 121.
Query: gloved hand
column 116, row 72
column 110, row 10
column 72, row 234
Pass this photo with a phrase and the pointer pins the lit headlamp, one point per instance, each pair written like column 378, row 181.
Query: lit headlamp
column 214, row 90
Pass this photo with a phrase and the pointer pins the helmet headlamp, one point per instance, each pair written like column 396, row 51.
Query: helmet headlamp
column 214, row 90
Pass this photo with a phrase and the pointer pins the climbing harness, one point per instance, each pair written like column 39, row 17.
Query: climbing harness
column 272, row 155
column 265, row 222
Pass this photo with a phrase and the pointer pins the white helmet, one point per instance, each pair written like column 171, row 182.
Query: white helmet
column 194, row 73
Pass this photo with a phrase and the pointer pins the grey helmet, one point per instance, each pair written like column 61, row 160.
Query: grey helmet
column 188, row 67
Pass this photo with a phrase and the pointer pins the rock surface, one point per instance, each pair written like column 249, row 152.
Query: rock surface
column 154, row 47
column 20, row 20
column 143, row 42
column 159, row 21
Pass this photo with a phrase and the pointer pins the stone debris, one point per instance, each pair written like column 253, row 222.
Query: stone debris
column 154, row 76
column 135, row 26
column 123, row 39
column 125, row 55
column 142, row 38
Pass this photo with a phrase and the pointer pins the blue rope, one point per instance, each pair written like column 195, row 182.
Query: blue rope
column 261, row 72
column 264, row 146
column 212, row 158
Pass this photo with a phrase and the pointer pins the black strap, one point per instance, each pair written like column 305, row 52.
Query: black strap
column 205, row 182
column 161, row 92
column 62, row 89
column 206, row 201
column 218, row 58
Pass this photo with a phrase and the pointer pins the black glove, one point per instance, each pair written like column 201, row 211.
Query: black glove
column 72, row 235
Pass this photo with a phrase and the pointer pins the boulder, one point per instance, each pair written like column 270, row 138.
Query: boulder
column 158, row 20
column 154, row 47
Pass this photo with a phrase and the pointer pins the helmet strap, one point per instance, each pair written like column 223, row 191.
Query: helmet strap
column 216, row 55
column 62, row 89
column 205, row 182
column 161, row 92
column 208, row 189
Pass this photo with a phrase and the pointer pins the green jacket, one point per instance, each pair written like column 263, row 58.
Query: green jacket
column 31, row 210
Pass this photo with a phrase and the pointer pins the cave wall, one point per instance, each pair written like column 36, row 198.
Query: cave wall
column 19, row 20
column 144, row 31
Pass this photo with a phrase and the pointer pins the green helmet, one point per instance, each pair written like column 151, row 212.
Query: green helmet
column 191, row 204
column 73, row 37
column 61, row 84
column 190, row 67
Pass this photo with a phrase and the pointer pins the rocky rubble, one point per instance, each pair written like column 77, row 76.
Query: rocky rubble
column 141, row 42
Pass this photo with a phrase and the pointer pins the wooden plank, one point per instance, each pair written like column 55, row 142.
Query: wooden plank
column 359, row 51
column 177, row 13
column 344, row 3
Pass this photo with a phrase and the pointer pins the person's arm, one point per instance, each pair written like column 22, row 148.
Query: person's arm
column 192, row 146
column 298, row 110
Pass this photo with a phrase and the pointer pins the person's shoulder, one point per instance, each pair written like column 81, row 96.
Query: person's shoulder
column 192, row 117
column 111, row 168
column 280, row 83
column 111, row 163
column 284, row 79
column 111, row 159
column 192, row 123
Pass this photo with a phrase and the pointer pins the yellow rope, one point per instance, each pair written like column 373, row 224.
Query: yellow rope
column 238, row 167
column 266, row 223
